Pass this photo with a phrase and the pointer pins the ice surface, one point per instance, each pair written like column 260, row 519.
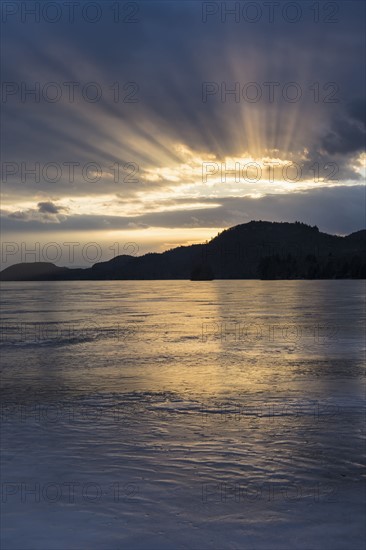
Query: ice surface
column 168, row 415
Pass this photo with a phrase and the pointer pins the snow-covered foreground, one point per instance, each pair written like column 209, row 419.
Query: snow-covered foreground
column 168, row 415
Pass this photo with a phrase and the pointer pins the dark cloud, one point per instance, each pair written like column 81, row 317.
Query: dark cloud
column 347, row 134
column 45, row 213
column 49, row 208
column 357, row 110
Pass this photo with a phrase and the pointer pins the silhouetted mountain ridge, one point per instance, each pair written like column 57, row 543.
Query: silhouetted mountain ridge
column 255, row 250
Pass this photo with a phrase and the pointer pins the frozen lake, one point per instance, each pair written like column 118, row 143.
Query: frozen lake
column 176, row 414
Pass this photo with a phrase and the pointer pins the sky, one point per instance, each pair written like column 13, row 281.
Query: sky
column 130, row 127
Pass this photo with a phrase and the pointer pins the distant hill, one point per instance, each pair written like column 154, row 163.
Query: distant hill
column 36, row 271
column 255, row 250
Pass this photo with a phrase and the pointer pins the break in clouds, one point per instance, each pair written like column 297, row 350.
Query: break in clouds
column 180, row 115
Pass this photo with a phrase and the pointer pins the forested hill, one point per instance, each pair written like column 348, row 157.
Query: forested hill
column 255, row 250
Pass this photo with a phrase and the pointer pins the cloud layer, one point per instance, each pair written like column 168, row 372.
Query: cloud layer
column 126, row 116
